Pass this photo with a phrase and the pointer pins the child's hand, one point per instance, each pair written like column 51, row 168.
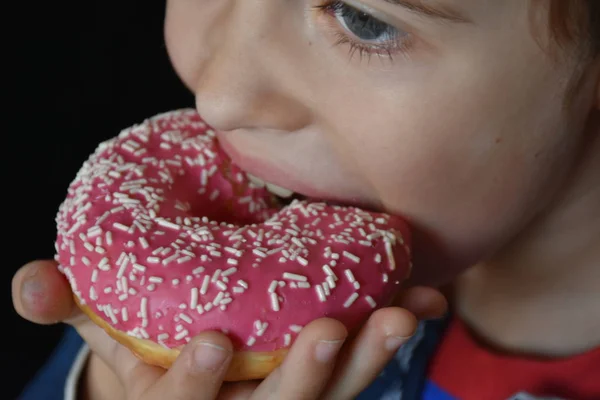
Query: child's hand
column 311, row 370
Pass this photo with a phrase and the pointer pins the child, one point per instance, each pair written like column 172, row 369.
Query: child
column 477, row 120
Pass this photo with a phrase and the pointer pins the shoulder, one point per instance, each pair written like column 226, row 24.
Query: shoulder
column 57, row 379
column 405, row 375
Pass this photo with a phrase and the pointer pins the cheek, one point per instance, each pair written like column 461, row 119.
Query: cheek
column 185, row 30
column 468, row 178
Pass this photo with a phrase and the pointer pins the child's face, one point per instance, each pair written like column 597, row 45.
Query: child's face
column 462, row 129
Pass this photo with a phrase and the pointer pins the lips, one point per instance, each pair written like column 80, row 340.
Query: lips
column 287, row 182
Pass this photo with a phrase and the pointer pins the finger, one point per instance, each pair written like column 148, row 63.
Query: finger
column 423, row 302
column 196, row 374
column 309, row 364
column 372, row 349
column 41, row 294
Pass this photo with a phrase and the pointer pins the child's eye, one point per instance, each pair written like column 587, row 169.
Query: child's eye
column 364, row 33
column 363, row 25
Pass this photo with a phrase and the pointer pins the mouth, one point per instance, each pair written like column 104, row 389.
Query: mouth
column 288, row 182
column 281, row 195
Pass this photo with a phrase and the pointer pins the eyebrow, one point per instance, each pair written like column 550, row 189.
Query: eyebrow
column 433, row 11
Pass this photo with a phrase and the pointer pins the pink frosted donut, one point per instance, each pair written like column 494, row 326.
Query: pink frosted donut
column 162, row 237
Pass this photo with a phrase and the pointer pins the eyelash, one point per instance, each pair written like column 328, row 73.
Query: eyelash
column 399, row 45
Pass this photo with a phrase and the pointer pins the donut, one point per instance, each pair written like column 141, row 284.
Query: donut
column 161, row 236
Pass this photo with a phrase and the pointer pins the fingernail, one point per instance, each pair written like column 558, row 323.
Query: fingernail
column 32, row 291
column 208, row 356
column 326, row 350
column 392, row 343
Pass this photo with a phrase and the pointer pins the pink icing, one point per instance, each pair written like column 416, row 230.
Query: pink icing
column 163, row 237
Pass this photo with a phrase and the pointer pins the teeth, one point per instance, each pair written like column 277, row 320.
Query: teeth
column 276, row 190
column 279, row 191
column 259, row 183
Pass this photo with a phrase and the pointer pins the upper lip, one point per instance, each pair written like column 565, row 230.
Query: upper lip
column 287, row 176
column 270, row 172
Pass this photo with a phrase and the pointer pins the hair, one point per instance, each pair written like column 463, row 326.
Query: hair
column 576, row 21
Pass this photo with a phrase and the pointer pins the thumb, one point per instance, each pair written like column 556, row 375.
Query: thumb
column 41, row 294
column 196, row 374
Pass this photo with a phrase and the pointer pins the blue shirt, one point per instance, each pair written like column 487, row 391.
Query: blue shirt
column 404, row 378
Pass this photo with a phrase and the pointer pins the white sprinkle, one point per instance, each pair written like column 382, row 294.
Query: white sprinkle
column 155, row 279
column 287, row 339
column 356, row 285
column 169, row 259
column 216, row 275
column 124, row 315
column 181, row 334
column 218, row 298
column 86, row 261
column 262, row 328
column 377, row 258
column 351, row 256
column 272, row 287
column 143, row 242
column 144, row 307
column 167, row 224
column 238, row 289
column 139, row 267
column 181, row 260
column 259, row 253
column 350, row 276
column 108, row 238
column 185, row 318
column 232, row 261
column 251, row 341
column 225, row 301
column 94, row 275
column 385, row 277
column 120, row 226
column 327, row 269
column 294, row 277
column 198, row 271
column 229, row 271
column 194, row 297
column 274, row 302
column 204, row 286
column 302, row 285
column 295, row 328
column 163, row 336
column 153, row 260
column 297, row 242
column 235, row 252
column 221, row 285
column 302, row 261
column 242, row 284
column 371, row 302
column 390, row 254
column 350, row 300
column 320, row 293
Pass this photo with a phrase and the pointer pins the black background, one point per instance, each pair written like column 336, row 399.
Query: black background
column 75, row 73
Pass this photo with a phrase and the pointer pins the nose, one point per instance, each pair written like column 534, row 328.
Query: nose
column 242, row 83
